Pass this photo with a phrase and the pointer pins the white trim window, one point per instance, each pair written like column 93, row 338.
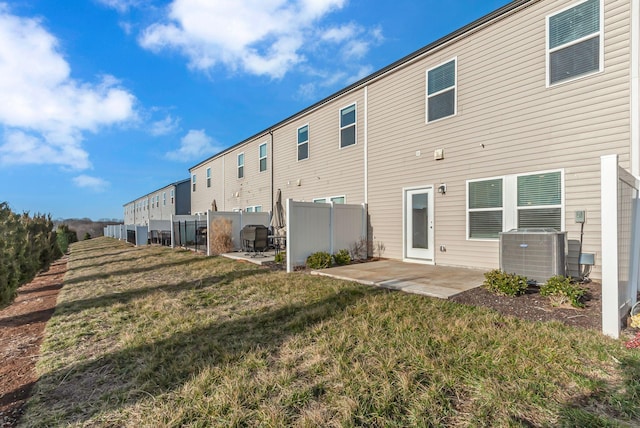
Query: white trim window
column 193, row 183
column 348, row 125
column 262, row 152
column 441, row 91
column 485, row 208
column 164, row 199
column 209, row 177
column 171, row 195
column 240, row 165
column 575, row 42
column 342, row 199
column 158, row 201
column 254, row 209
column 499, row 204
column 303, row 142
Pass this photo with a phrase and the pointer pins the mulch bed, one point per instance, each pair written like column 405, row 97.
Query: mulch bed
column 21, row 331
column 534, row 307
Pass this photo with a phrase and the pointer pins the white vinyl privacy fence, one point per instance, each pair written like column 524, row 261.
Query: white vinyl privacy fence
column 620, row 205
column 313, row 227
column 117, row 231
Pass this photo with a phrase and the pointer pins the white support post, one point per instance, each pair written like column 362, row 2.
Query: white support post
column 609, row 221
column 208, row 232
column 332, row 229
column 289, row 235
column 173, row 235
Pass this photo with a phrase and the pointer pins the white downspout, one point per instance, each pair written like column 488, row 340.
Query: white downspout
column 366, row 144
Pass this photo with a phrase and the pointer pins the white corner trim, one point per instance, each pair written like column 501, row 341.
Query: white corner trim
column 635, row 87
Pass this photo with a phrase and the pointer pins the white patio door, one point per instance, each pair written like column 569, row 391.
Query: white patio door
column 419, row 224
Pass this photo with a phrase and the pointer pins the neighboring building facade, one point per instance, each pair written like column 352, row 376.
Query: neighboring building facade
column 499, row 125
column 159, row 205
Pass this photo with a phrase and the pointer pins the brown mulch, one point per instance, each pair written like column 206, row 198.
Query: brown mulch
column 534, row 307
column 21, row 331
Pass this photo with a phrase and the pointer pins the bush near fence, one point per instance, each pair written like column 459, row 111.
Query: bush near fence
column 27, row 246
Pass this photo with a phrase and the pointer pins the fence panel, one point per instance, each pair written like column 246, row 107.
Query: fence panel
column 142, row 235
column 189, row 232
column 235, row 217
column 308, row 231
column 349, row 226
column 313, row 227
column 620, row 243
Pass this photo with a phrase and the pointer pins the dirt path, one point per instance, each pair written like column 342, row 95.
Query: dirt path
column 21, row 331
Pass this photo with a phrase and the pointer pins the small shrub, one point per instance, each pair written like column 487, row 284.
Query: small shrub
column 87, row 235
column 342, row 257
column 220, row 240
column 562, row 291
column 319, row 260
column 279, row 258
column 508, row 284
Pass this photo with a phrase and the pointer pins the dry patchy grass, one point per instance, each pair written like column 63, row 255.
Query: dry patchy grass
column 155, row 337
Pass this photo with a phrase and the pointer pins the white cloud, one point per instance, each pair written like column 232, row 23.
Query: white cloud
column 92, row 183
column 195, row 145
column 165, row 126
column 261, row 37
column 121, row 5
column 42, row 107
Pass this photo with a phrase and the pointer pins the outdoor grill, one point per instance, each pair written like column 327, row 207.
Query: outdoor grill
column 254, row 238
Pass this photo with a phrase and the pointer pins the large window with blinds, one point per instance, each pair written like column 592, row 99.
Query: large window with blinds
column 500, row 204
column 441, row 91
column 575, row 42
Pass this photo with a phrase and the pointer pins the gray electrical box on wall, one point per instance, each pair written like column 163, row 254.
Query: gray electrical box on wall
column 580, row 216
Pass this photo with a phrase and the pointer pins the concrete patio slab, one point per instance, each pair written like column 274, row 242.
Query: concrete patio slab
column 435, row 281
column 258, row 259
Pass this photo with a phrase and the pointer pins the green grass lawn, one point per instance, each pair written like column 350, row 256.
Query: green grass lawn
column 152, row 337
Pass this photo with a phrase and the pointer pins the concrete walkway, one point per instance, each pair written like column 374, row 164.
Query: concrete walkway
column 434, row 281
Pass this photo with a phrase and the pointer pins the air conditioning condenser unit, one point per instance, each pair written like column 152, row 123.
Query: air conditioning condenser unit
column 537, row 253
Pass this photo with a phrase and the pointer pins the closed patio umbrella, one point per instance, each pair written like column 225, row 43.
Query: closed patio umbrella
column 277, row 218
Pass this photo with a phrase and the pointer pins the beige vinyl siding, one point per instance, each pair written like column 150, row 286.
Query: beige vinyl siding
column 329, row 170
column 503, row 104
column 255, row 187
column 202, row 198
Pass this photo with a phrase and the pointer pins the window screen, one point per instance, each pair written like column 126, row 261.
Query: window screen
column 441, row 91
column 348, row 126
column 574, row 42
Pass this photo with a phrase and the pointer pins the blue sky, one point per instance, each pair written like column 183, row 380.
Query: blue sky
column 102, row 101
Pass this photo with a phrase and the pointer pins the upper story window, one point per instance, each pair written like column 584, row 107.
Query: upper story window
column 263, row 156
column 164, row 199
column 348, row 126
column 575, row 42
column 441, row 91
column 241, row 165
column 171, row 194
column 208, row 177
column 157, row 201
column 193, row 182
column 303, row 142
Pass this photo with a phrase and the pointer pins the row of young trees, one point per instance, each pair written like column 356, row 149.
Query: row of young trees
column 28, row 244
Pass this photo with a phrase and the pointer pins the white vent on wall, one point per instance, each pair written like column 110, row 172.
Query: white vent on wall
column 537, row 253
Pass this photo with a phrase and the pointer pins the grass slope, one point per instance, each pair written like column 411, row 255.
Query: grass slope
column 159, row 337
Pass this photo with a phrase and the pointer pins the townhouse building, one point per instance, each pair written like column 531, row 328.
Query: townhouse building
column 498, row 125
